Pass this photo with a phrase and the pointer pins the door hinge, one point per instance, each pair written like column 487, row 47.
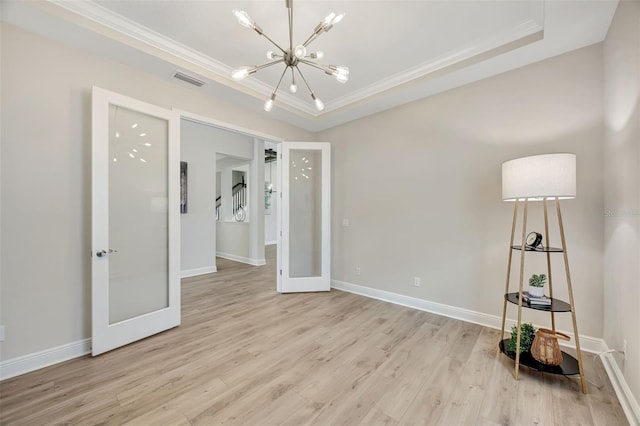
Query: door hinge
column 280, row 271
column 281, row 233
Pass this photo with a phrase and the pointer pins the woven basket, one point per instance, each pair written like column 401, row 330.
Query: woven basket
column 545, row 348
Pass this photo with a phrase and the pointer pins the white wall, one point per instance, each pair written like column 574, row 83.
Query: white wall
column 198, row 225
column 200, row 144
column 233, row 240
column 421, row 187
column 45, row 181
column 622, row 189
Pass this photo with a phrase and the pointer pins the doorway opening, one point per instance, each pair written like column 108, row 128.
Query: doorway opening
column 226, row 218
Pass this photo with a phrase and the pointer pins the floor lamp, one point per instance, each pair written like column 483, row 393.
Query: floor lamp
column 540, row 178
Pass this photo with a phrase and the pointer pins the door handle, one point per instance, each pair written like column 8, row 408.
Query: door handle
column 101, row 253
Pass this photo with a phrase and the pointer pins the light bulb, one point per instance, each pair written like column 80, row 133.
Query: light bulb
column 331, row 20
column 300, row 51
column 293, row 88
column 240, row 73
column 319, row 104
column 317, row 55
column 342, row 78
column 330, row 17
column 270, row 54
column 339, row 17
column 243, row 18
column 269, row 104
column 340, row 70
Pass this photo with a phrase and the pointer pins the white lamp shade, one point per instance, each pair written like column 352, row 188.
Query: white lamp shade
column 538, row 177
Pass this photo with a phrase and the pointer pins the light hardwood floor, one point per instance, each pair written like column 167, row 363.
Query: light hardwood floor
column 246, row 355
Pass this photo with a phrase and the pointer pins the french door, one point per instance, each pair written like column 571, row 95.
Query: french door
column 305, row 224
column 135, row 254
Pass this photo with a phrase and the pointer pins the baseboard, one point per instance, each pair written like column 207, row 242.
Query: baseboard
column 248, row 261
column 270, row 243
column 587, row 343
column 37, row 360
column 628, row 402
column 198, row 271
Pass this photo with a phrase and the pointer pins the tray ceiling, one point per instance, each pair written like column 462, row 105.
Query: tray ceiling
column 397, row 51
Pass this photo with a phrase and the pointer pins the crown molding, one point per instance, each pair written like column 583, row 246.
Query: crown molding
column 105, row 17
column 518, row 32
column 124, row 26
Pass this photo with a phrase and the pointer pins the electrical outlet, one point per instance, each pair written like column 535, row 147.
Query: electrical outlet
column 1, row 333
column 345, row 222
column 624, row 348
column 358, row 270
column 416, row 281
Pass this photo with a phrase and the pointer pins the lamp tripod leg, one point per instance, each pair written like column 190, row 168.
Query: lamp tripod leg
column 546, row 237
column 573, row 306
column 522, row 253
column 506, row 287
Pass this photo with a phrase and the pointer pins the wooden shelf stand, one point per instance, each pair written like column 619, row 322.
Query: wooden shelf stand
column 571, row 365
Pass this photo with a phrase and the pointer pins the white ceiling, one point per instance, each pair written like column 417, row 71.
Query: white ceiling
column 397, row 51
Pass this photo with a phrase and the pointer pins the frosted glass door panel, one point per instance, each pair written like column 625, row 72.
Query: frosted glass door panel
column 305, row 213
column 304, row 222
column 138, row 214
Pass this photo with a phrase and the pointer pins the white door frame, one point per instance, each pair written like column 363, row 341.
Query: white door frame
column 107, row 336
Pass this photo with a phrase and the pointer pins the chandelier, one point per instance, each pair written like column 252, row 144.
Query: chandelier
column 293, row 56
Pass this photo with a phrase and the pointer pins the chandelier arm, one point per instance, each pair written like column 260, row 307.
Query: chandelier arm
column 311, row 39
column 318, row 66
column 274, row 43
column 280, row 81
column 305, row 81
column 268, row 64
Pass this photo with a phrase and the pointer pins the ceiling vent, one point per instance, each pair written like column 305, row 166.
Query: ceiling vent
column 188, row 79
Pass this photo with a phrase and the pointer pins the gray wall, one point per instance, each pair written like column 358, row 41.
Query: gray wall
column 197, row 226
column 233, row 239
column 46, row 185
column 199, row 145
column 622, row 189
column 421, row 187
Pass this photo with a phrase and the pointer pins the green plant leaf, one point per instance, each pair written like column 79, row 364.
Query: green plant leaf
column 527, row 334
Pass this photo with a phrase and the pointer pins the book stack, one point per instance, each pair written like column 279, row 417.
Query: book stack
column 534, row 300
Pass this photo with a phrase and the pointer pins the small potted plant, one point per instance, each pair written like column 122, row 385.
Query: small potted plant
column 536, row 285
column 527, row 334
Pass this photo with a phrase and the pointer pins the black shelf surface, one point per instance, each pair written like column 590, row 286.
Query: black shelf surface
column 557, row 305
column 539, row 250
column 569, row 366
